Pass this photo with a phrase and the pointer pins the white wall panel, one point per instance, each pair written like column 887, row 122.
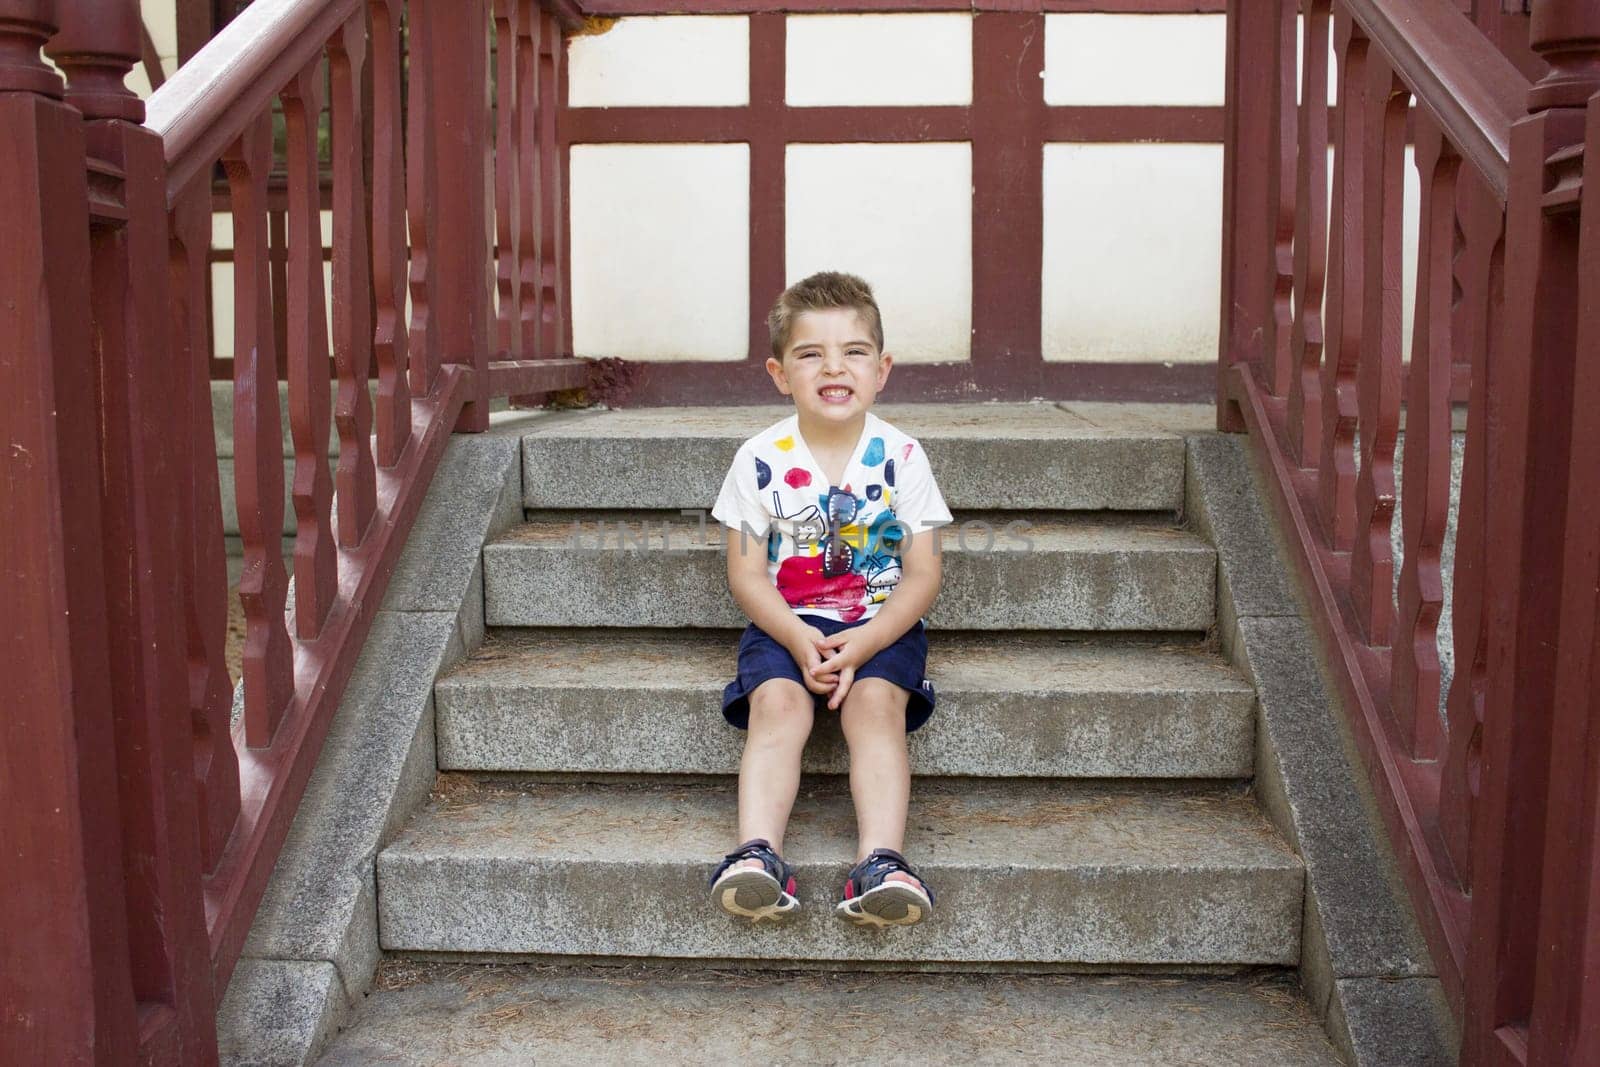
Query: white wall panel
column 1134, row 59
column 660, row 251
column 673, row 60
column 900, row 216
column 1132, row 251
column 879, row 59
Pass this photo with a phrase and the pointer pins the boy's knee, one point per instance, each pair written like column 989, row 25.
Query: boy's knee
column 873, row 706
column 780, row 710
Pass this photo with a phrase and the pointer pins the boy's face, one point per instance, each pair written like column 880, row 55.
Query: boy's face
column 831, row 367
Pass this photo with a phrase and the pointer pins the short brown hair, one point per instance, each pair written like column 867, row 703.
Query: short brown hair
column 821, row 291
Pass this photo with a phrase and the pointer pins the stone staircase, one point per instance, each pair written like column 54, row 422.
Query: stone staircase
column 1082, row 803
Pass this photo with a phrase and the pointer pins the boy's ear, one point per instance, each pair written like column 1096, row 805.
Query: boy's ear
column 885, row 361
column 781, row 380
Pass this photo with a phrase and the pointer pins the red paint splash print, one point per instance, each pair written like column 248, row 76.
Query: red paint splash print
column 802, row 584
column 797, row 477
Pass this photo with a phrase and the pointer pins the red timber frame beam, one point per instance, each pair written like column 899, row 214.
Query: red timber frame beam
column 1008, row 123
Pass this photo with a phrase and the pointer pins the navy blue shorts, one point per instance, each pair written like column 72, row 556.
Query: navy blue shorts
column 761, row 658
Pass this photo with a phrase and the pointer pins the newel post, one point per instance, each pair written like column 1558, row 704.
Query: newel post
column 1531, row 884
column 64, row 974
column 1250, row 151
column 462, row 245
column 144, row 560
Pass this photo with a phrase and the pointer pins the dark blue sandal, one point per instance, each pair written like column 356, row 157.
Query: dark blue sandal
column 872, row 899
column 755, row 893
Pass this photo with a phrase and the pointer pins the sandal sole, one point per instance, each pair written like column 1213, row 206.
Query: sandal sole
column 890, row 904
column 754, row 895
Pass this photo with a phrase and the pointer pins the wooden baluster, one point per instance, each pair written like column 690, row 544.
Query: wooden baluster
column 1378, row 374
column 316, row 580
column 258, row 442
column 278, row 272
column 421, row 200
column 393, row 415
column 205, row 594
column 1481, row 277
column 507, row 175
column 1311, row 240
column 352, row 286
column 552, row 287
column 461, row 240
column 1251, row 132
column 531, row 119
column 65, row 985
column 529, row 26
column 1281, row 186
column 1336, row 469
column 1414, row 685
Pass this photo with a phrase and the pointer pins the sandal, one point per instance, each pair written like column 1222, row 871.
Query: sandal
column 872, row 899
column 755, row 893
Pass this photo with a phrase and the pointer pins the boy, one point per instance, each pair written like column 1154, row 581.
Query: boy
column 828, row 513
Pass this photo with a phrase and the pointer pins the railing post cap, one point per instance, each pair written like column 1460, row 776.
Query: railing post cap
column 97, row 45
column 25, row 25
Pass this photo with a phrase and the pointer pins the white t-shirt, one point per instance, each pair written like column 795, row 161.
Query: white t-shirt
column 776, row 490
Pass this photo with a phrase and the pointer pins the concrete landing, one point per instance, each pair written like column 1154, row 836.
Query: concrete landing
column 503, row 1015
column 1025, row 871
column 1017, row 705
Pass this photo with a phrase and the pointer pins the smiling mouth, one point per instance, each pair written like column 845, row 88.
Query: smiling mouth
column 835, row 392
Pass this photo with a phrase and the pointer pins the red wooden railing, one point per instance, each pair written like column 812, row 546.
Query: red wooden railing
column 1492, row 795
column 140, row 825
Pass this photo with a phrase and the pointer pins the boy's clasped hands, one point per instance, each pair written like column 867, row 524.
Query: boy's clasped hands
column 830, row 662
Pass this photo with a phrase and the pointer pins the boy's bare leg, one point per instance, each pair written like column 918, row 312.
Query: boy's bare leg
column 874, row 721
column 769, row 773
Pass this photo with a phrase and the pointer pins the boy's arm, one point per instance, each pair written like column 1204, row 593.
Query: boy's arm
column 921, row 571
column 755, row 594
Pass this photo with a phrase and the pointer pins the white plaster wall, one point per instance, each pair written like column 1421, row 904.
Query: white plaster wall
column 222, row 295
column 1300, row 62
column 1097, row 60
column 900, row 216
column 879, row 59
column 684, row 60
column 1410, row 239
column 660, row 251
column 161, row 19
column 1132, row 251
column 660, row 233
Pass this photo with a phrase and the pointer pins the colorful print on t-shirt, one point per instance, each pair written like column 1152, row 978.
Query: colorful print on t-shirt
column 832, row 550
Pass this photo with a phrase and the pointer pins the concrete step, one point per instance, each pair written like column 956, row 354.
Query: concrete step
column 1017, row 456
column 477, row 1015
column 659, row 569
column 1032, row 705
column 1026, row 872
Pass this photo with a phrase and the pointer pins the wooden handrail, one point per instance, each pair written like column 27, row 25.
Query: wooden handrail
column 210, row 100
column 1481, row 774
column 1454, row 71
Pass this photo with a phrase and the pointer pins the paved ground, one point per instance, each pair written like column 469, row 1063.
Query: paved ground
column 504, row 1014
